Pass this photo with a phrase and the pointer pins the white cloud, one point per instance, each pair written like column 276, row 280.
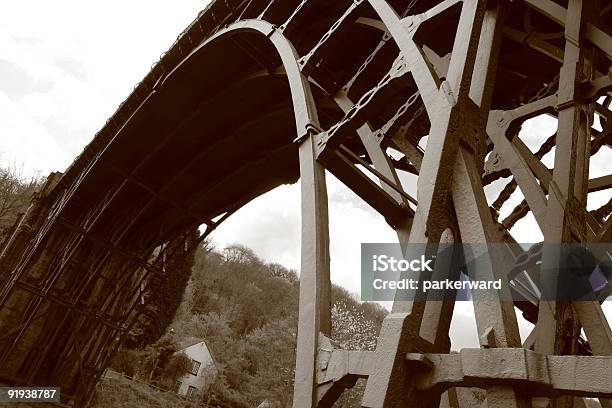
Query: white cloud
column 76, row 61
column 277, row 213
column 20, row 133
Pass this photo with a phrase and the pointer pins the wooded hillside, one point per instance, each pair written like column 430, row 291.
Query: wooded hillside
column 246, row 310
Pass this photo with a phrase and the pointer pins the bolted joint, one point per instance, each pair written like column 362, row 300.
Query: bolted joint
column 501, row 119
column 487, row 339
column 411, row 24
column 399, row 67
column 419, row 361
column 561, row 106
column 272, row 31
column 310, row 129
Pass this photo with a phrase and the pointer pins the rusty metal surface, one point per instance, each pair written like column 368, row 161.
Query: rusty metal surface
column 258, row 93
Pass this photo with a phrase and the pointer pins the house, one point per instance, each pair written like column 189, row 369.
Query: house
column 203, row 370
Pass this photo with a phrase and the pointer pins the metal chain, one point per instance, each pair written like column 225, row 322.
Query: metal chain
column 398, row 69
column 519, row 211
column 504, row 195
column 400, row 112
column 291, row 17
column 410, row 6
column 244, row 10
column 412, row 99
column 265, row 10
column 545, row 91
column 385, row 37
column 306, row 58
column 346, row 88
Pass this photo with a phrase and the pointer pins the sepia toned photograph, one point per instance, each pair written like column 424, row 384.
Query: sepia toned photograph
column 306, row 204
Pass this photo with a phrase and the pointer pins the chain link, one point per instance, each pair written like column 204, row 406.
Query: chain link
column 292, row 16
column 306, row 58
column 398, row 69
column 401, row 111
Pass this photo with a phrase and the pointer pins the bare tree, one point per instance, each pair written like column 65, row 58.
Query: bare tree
column 15, row 194
column 238, row 253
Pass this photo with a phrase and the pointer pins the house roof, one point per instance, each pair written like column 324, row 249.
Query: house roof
column 188, row 342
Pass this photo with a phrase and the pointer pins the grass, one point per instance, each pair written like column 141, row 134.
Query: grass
column 124, row 393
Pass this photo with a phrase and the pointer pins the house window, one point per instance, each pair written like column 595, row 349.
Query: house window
column 195, row 367
column 191, row 392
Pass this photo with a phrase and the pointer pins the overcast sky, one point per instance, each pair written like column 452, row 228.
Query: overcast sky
column 66, row 65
